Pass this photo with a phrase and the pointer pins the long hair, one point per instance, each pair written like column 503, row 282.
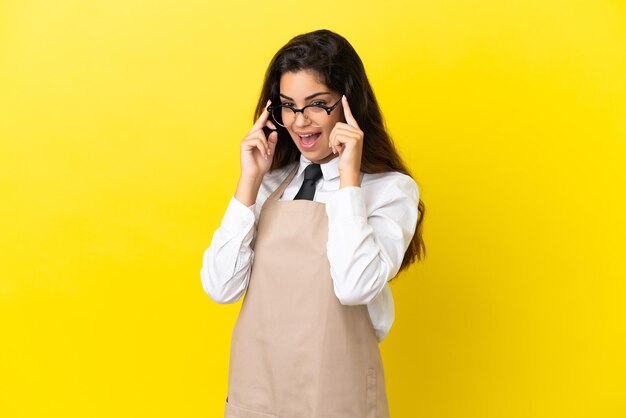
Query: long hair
column 339, row 67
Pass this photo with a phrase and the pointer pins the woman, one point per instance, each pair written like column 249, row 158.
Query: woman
column 324, row 215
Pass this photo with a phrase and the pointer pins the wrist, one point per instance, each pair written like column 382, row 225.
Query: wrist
column 349, row 179
column 247, row 189
column 250, row 178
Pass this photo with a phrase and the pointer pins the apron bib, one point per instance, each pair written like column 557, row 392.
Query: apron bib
column 296, row 351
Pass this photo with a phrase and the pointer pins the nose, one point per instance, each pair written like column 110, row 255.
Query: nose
column 301, row 120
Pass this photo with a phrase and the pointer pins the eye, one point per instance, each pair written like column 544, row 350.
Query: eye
column 319, row 103
column 288, row 104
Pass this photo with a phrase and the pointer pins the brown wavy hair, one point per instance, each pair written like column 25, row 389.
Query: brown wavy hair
column 339, row 67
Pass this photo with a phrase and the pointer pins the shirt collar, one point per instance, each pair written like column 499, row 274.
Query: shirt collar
column 330, row 170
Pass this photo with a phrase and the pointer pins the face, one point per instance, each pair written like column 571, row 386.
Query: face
column 311, row 135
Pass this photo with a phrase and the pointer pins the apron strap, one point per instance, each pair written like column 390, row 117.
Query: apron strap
column 279, row 191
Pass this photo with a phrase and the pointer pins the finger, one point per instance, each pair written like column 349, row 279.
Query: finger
column 272, row 140
column 263, row 151
column 339, row 139
column 259, row 143
column 263, row 148
column 260, row 122
column 341, row 128
column 347, row 112
column 331, row 140
column 254, row 136
column 342, row 139
column 346, row 129
column 270, row 125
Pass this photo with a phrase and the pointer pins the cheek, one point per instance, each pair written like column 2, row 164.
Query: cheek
column 330, row 125
column 293, row 136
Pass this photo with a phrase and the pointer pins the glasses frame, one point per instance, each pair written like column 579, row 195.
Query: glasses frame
column 295, row 110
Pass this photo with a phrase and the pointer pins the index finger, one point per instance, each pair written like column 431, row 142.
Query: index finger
column 348, row 113
column 260, row 122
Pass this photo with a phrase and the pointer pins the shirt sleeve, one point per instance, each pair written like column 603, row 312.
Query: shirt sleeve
column 227, row 262
column 366, row 245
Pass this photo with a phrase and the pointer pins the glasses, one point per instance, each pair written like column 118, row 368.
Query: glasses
column 286, row 114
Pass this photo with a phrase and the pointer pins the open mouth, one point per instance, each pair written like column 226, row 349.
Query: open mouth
column 309, row 140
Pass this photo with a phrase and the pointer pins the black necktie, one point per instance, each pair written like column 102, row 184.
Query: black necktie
column 311, row 175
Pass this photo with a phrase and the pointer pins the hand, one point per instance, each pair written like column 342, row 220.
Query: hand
column 257, row 151
column 347, row 140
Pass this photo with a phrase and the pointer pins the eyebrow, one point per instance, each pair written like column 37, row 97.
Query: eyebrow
column 308, row 97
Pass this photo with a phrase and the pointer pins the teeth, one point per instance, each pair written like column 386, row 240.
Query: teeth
column 307, row 136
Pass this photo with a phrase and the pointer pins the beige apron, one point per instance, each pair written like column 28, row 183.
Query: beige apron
column 296, row 351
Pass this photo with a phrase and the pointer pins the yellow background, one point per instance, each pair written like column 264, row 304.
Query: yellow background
column 119, row 129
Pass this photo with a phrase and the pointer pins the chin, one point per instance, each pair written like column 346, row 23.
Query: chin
column 318, row 157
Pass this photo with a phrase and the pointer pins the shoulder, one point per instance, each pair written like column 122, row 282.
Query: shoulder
column 390, row 185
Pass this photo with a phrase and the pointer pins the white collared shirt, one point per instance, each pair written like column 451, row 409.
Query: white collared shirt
column 369, row 230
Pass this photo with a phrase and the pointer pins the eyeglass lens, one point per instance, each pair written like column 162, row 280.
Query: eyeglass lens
column 286, row 116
